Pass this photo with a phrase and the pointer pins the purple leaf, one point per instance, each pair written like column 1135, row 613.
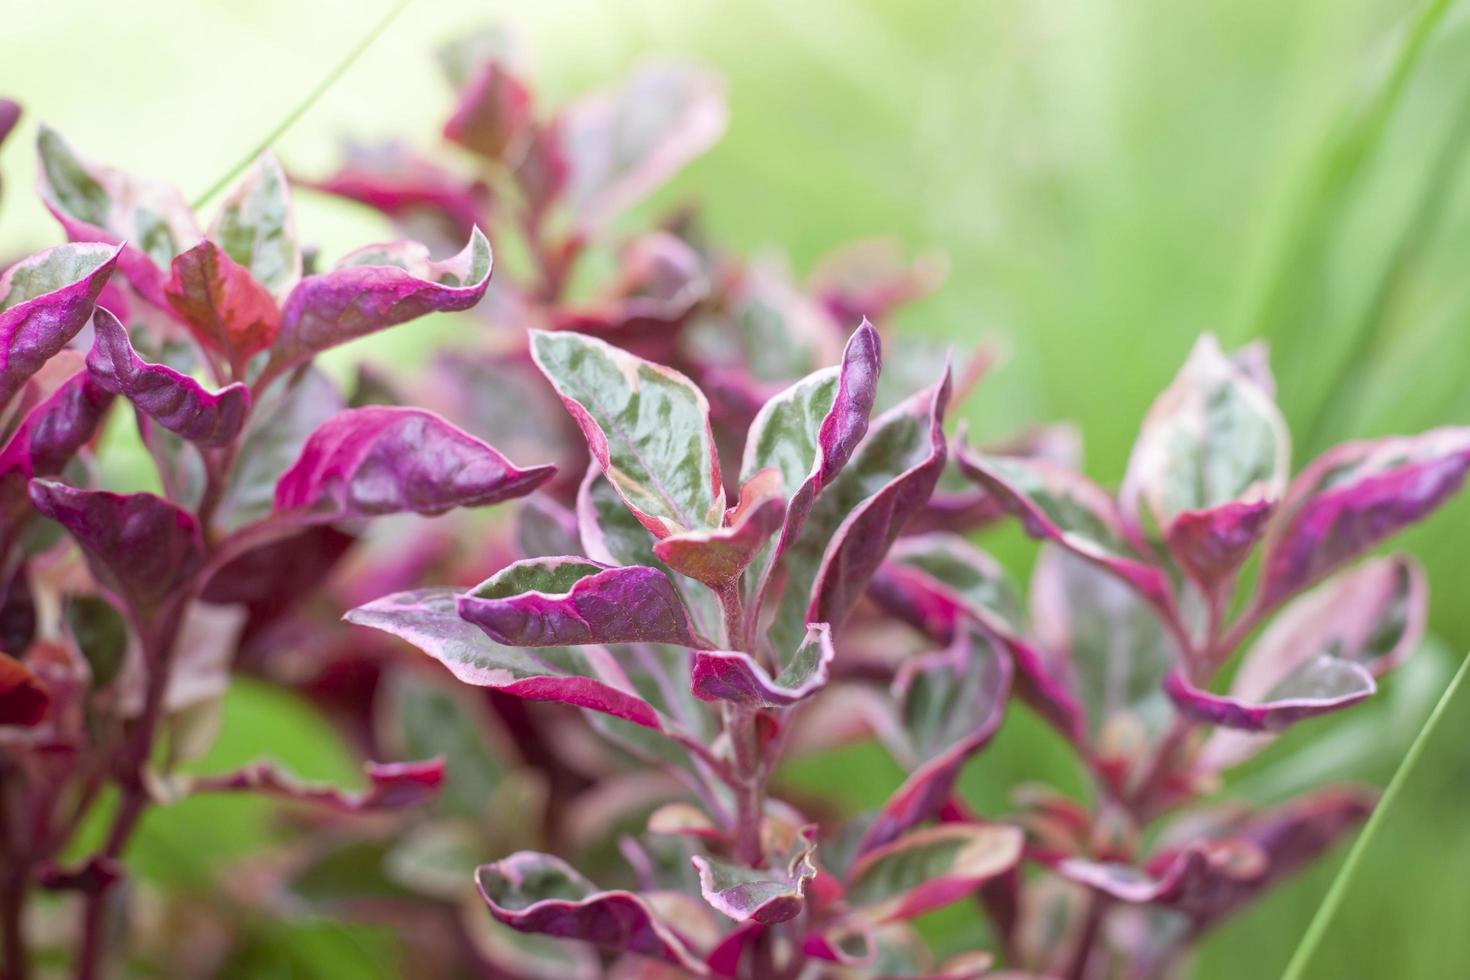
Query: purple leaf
column 808, row 432
column 1210, row 880
column 1213, row 437
column 1056, row 504
column 276, row 576
column 622, row 145
column 141, row 547
column 646, row 425
column 660, row 282
column 538, row 893
column 926, row 869
column 391, row 786
column 861, row 541
column 99, row 204
column 172, row 399
column 1323, row 651
column 1353, row 497
column 226, row 308
column 720, row 556
column 587, row 677
column 729, row 675
column 949, row 704
column 1317, row 686
column 934, row 581
column 24, row 699
column 493, row 113
column 374, row 288
column 570, row 601
column 9, row 116
column 1210, row 545
column 395, row 180
column 764, row 895
column 46, row 439
column 869, row 279
column 387, row 460
column 44, row 301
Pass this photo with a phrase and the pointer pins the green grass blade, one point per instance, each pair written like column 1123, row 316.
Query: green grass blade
column 1455, row 703
column 375, row 32
column 1349, row 146
column 1333, row 412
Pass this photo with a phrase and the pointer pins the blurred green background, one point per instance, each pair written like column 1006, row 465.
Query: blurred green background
column 1108, row 179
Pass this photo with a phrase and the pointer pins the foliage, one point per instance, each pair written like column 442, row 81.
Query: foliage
column 765, row 558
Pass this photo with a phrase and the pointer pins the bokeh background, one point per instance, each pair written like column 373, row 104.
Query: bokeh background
column 1108, row 179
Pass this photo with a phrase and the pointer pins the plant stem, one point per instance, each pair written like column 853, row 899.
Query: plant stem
column 16, row 962
column 158, row 640
column 750, row 788
column 1097, row 907
column 296, row 113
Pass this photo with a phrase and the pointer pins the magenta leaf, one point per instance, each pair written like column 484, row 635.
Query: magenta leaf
column 929, row 868
column 226, row 308
column 1211, row 879
column 871, row 278
column 1323, row 652
column 9, row 116
column 1353, row 497
column 661, row 281
column 948, row 705
column 45, row 440
column 764, row 895
column 374, row 288
column 570, row 601
column 1210, row 545
column 1056, row 504
column 139, row 546
column 383, row 459
column 935, row 581
column 588, row 677
column 808, row 432
column 24, row 699
column 99, row 204
column 646, row 425
column 729, row 675
column 622, row 145
column 720, row 556
column 1317, row 686
column 539, row 893
column 403, row 185
column 907, row 442
column 172, row 399
column 45, row 300
column 858, row 515
column 493, row 113
column 391, row 786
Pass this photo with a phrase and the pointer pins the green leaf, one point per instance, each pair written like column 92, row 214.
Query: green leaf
column 255, row 228
column 647, row 426
column 928, row 868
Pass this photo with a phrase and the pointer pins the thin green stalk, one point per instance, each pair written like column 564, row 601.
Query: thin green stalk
column 331, row 79
column 1297, row 968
